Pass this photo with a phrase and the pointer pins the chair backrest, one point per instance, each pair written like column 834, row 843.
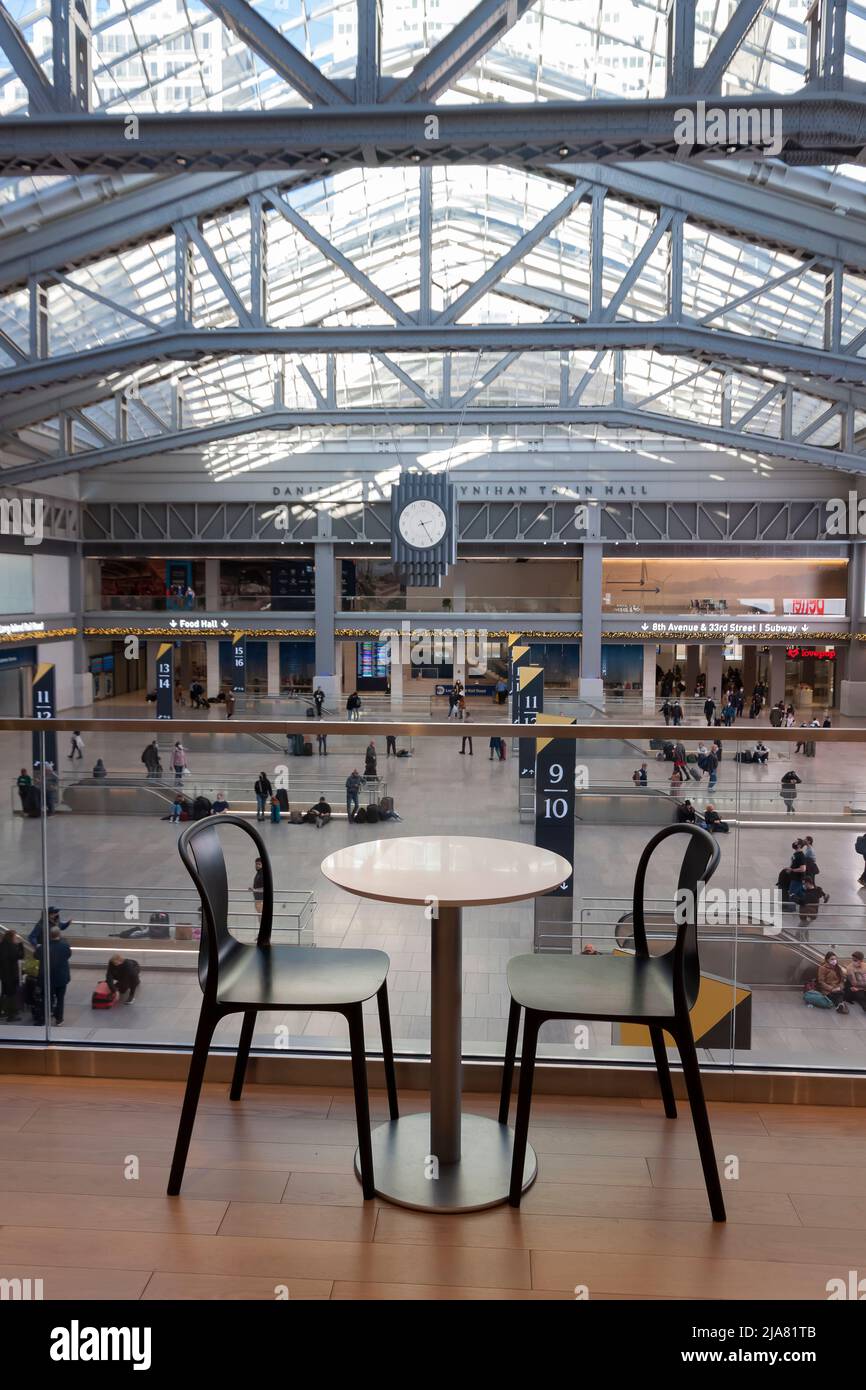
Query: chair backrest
column 700, row 861
column 202, row 855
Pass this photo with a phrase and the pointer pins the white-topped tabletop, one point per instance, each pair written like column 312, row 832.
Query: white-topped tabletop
column 456, row 870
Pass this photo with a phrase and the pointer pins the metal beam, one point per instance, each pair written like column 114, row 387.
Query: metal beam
column 70, row 32
column 459, row 50
column 708, row 79
column 453, row 416
column 40, row 92
column 680, row 52
column 816, row 128
column 679, row 339
column 369, row 30
column 278, row 52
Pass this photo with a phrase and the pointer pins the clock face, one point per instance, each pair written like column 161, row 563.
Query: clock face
column 422, row 524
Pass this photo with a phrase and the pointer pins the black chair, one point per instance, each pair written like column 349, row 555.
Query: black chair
column 240, row 978
column 657, row 991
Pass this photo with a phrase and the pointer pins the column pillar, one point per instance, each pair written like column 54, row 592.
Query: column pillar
column 777, row 674
column 714, row 671
column 590, row 684
column 649, row 673
column 212, row 659
column 151, row 648
column 273, row 667
column 326, row 675
column 750, row 667
column 856, row 583
column 693, row 666
column 212, row 587
column 82, row 684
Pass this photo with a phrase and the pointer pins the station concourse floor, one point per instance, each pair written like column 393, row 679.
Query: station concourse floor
column 436, row 791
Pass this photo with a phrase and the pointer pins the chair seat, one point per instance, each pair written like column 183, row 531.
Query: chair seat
column 599, row 987
column 299, row 977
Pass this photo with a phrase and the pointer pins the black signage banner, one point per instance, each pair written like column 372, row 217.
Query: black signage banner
column 44, row 707
column 530, row 704
column 518, row 655
column 555, row 768
column 165, row 681
column 239, row 663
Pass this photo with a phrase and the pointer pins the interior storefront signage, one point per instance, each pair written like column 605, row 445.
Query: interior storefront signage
column 720, row 630
column 198, row 624
column 165, row 681
column 555, row 769
column 814, row 607
column 530, row 704
column 798, row 653
column 44, row 707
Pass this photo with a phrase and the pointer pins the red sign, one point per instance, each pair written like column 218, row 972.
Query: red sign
column 805, row 607
column 795, row 653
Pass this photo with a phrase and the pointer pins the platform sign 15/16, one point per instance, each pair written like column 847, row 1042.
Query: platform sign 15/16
column 239, row 663
column 555, row 767
column 164, row 681
column 530, row 704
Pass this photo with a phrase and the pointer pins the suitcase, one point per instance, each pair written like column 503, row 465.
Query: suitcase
column 386, row 806
column 694, row 774
column 183, row 931
column 31, row 804
column 372, row 814
column 201, row 808
column 308, row 750
column 283, row 798
column 298, row 745
column 361, row 814
column 103, row 997
column 311, row 713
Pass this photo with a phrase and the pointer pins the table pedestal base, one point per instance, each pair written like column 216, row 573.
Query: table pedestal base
column 481, row 1179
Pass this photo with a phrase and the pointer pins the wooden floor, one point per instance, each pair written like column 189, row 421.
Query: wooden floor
column 270, row 1200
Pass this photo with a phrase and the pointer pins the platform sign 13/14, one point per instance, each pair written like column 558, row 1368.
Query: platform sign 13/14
column 530, row 704
column 164, row 681
column 555, row 766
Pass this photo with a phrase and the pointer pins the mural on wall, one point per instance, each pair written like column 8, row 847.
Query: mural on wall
column 685, row 586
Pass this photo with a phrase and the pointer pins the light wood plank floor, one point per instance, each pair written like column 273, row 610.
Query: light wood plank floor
column 270, row 1203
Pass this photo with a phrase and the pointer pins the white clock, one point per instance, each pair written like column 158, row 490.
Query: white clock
column 422, row 523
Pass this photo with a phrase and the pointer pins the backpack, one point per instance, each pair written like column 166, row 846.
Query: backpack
column 159, row 927
column 308, row 750
column 372, row 814
column 860, row 844
column 361, row 813
column 814, row 998
column 201, row 807
column 311, row 713
column 103, row 997
column 296, row 817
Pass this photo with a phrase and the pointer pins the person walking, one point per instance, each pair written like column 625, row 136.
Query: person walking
column 264, row 791
column 257, row 887
column 76, row 747
column 179, row 763
column 353, row 786
column 501, row 689
column 676, row 714
column 666, row 711
column 11, row 956
column 467, row 738
column 494, row 753
column 709, row 710
column 322, row 744
column 56, row 977
column 788, row 790
column 230, row 703
column 390, row 745
column 319, row 701
column 353, row 706
column 150, row 758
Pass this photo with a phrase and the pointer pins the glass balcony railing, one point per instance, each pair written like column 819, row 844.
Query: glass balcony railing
column 787, row 899
column 472, row 603
column 228, row 603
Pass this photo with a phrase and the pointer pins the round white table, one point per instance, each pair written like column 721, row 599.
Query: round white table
column 444, row 1160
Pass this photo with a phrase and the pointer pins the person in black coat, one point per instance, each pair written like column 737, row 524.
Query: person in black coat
column 59, row 974
column 124, row 975
column 11, row 955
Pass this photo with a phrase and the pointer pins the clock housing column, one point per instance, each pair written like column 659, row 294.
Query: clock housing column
column 327, row 677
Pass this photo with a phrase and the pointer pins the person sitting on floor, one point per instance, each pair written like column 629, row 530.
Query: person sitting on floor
column 714, row 822
column 831, row 981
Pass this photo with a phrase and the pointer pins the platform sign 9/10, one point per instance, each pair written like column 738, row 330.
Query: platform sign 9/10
column 555, row 768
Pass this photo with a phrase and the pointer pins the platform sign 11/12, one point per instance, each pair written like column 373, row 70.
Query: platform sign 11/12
column 44, row 707
column 239, row 663
column 530, row 704
column 164, row 680
column 555, row 768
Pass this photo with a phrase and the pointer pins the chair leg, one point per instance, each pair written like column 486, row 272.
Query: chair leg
column 692, row 1074
column 243, row 1054
column 660, row 1053
column 388, row 1050
column 362, row 1100
column 508, row 1061
column 206, row 1024
column 531, row 1024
